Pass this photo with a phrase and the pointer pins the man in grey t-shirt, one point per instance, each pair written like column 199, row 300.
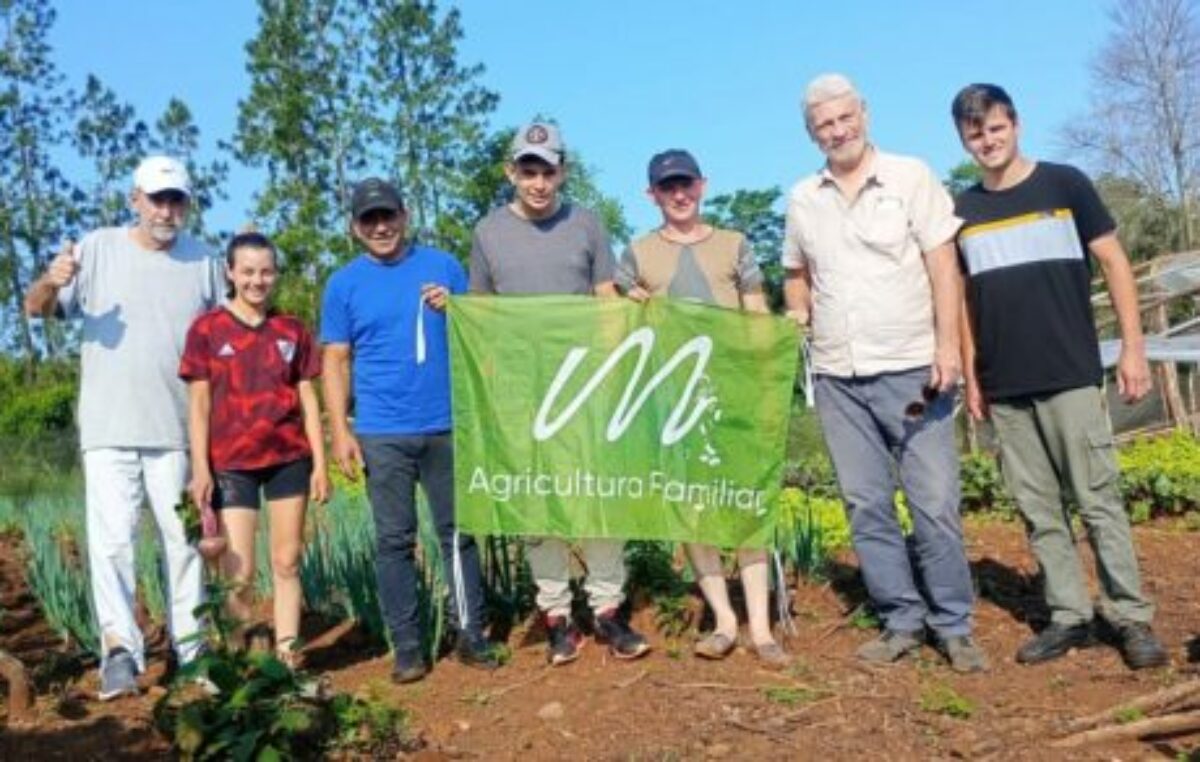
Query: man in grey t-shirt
column 537, row 244
column 137, row 290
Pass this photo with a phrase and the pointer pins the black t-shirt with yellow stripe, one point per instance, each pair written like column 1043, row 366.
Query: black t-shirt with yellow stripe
column 1023, row 249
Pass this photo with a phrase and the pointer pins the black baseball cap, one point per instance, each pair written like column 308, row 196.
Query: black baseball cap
column 673, row 163
column 373, row 194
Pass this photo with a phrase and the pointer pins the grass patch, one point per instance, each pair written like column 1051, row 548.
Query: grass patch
column 944, row 700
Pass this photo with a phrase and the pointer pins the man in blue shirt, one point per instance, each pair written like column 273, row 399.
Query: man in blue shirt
column 383, row 317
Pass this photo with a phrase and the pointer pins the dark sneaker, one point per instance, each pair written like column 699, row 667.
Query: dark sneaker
column 1053, row 642
column 891, row 646
column 118, row 677
column 963, row 654
column 1139, row 646
column 563, row 641
column 474, row 650
column 623, row 641
column 409, row 667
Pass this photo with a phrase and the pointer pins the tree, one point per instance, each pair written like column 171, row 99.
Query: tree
column 962, row 176
column 109, row 134
column 755, row 214
column 1144, row 122
column 436, row 110
column 1148, row 222
column 302, row 122
column 36, row 203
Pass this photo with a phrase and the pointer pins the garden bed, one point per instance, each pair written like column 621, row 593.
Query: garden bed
column 672, row 706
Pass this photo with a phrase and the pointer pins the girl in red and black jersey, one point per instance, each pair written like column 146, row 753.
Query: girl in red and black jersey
column 255, row 426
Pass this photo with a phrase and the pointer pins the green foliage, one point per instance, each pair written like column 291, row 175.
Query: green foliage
column 790, row 695
column 982, row 485
column 1128, row 714
column 962, row 176
column 944, row 700
column 863, row 618
column 56, row 570
column 652, row 571
column 809, row 529
column 234, row 704
column 1161, row 475
column 756, row 214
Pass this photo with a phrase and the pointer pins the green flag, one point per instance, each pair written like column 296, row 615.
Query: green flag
column 579, row 417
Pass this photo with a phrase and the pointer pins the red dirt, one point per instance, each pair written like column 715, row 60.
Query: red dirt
column 673, row 706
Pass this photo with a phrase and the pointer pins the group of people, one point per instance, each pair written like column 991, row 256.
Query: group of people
column 184, row 354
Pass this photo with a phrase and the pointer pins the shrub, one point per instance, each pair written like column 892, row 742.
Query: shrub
column 1161, row 476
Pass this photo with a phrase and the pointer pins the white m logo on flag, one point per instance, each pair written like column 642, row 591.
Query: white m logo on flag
column 643, row 338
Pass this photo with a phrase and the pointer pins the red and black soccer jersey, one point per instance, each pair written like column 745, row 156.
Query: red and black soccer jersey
column 254, row 372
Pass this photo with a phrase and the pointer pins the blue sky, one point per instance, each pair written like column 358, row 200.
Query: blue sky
column 625, row 79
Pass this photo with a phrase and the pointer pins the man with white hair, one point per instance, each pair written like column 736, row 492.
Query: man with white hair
column 870, row 262
column 137, row 290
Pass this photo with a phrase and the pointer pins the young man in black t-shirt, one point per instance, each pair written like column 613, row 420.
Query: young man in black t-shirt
column 1032, row 361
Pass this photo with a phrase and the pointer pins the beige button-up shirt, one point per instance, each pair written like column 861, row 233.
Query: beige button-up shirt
column 872, row 309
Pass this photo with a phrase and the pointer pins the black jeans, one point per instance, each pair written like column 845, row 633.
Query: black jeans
column 394, row 466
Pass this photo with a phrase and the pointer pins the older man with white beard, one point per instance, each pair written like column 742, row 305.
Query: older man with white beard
column 869, row 255
column 137, row 290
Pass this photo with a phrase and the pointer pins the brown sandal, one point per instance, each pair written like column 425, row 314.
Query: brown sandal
column 773, row 655
column 717, row 645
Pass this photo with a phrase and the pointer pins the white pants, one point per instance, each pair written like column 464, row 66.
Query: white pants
column 118, row 481
column 550, row 562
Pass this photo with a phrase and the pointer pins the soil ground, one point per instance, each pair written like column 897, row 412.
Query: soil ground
column 670, row 705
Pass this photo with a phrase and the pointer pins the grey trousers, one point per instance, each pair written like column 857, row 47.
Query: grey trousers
column 1057, row 443
column 872, row 439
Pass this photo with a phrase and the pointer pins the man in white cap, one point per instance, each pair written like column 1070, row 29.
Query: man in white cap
column 137, row 289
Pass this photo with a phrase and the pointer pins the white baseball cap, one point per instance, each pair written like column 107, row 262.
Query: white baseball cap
column 160, row 173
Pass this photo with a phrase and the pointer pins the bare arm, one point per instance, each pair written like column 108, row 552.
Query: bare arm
column 797, row 294
column 1133, row 370
column 976, row 405
column 335, row 368
column 945, row 280
column 319, row 483
column 42, row 296
column 605, row 289
column 199, row 409
column 754, row 301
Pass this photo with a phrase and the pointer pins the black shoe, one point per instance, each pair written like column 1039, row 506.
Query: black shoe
column 623, row 641
column 1139, row 646
column 474, row 650
column 563, row 640
column 1053, row 642
column 409, row 667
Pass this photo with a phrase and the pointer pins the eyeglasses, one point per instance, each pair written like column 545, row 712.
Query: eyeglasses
column 919, row 407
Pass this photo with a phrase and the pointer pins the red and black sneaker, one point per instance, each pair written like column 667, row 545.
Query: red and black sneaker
column 623, row 641
column 563, row 640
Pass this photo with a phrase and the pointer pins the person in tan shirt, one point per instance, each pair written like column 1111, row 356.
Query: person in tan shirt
column 686, row 258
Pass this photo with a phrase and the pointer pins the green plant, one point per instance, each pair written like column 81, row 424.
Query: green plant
column 863, row 618
column 652, row 570
column 240, row 705
column 1161, row 475
column 982, row 484
column 1128, row 714
column 944, row 700
column 790, row 695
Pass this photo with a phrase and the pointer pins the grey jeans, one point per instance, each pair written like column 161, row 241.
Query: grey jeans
column 1060, row 442
column 875, row 434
